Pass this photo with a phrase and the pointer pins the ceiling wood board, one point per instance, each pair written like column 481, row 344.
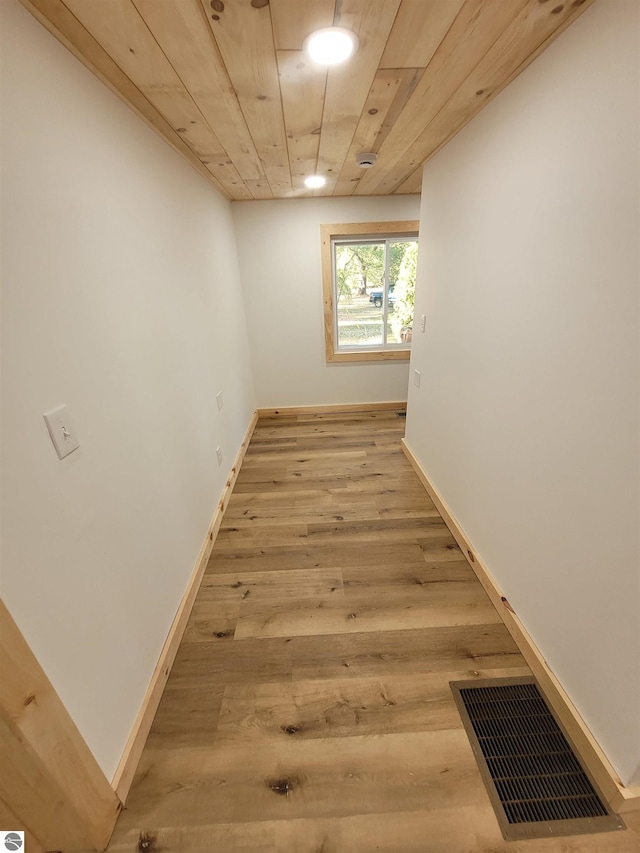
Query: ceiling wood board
column 119, row 29
column 123, row 33
column 303, row 91
column 294, row 20
column 386, row 85
column 348, row 85
column 471, row 35
column 527, row 32
column 259, row 189
column 62, row 24
column 245, row 37
column 412, row 184
column 175, row 24
column 417, row 31
column 225, row 82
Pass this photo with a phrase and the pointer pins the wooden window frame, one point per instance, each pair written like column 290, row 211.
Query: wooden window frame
column 353, row 230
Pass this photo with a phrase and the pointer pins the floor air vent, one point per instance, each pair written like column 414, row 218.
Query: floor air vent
column 536, row 784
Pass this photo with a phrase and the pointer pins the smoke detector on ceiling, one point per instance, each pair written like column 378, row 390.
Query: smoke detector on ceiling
column 366, row 159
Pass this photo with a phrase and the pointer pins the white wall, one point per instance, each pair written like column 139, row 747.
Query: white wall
column 527, row 415
column 121, row 298
column 279, row 251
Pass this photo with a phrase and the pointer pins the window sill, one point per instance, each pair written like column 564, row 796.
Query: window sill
column 370, row 355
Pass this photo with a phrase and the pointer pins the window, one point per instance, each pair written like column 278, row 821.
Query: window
column 368, row 278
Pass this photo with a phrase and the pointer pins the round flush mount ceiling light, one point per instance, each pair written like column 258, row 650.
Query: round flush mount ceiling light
column 314, row 182
column 330, row 45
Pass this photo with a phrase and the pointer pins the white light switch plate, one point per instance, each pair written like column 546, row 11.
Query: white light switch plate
column 219, row 400
column 62, row 432
column 416, row 378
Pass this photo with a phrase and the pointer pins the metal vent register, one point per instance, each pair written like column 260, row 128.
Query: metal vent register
column 534, row 780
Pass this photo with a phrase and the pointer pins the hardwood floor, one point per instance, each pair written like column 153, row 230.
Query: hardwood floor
column 308, row 709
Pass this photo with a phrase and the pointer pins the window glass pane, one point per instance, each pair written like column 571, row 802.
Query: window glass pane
column 360, row 281
column 368, row 285
column 403, row 256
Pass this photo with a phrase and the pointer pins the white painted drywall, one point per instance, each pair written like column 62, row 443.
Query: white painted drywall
column 121, row 299
column 527, row 415
column 279, row 252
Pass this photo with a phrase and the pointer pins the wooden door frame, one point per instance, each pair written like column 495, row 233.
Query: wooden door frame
column 49, row 780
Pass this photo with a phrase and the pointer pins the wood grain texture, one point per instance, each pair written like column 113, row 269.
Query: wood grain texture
column 287, row 725
column 123, row 34
column 294, row 21
column 175, row 24
column 470, row 36
column 229, row 87
column 48, row 777
column 412, row 184
column 303, row 88
column 348, row 84
column 327, row 233
column 62, row 24
column 26, row 783
column 244, row 37
column 387, row 97
column 128, row 764
column 341, row 408
column 471, row 829
column 521, row 41
column 417, row 32
column 10, row 821
column 620, row 797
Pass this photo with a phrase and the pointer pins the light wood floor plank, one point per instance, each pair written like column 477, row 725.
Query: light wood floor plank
column 471, row 829
column 359, row 611
column 419, row 650
column 254, row 517
column 309, row 707
column 300, row 710
column 314, row 778
column 187, row 716
column 301, row 555
column 430, row 830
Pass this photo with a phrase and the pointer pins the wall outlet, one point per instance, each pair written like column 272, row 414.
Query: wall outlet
column 219, row 455
column 62, row 431
column 219, row 400
column 416, row 378
column 423, row 323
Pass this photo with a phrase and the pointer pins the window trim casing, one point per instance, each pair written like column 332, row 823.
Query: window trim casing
column 352, row 230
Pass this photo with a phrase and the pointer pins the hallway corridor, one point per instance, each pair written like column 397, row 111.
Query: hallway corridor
column 309, row 706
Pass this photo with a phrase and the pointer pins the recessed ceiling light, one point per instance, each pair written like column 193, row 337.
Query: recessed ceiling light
column 330, row 45
column 314, row 182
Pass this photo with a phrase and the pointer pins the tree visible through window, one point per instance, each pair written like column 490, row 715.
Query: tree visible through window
column 369, row 282
column 375, row 287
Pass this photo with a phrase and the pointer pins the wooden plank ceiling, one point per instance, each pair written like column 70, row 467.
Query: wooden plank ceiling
column 226, row 83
